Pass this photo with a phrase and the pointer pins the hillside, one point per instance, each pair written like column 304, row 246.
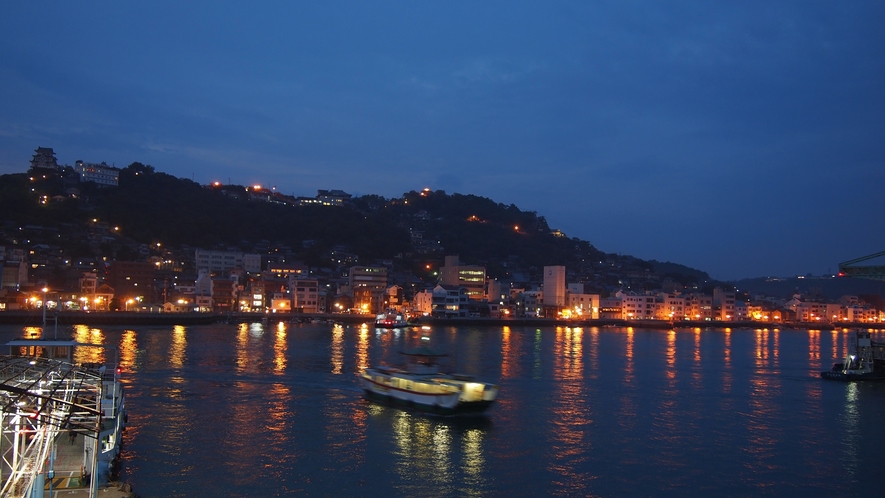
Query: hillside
column 415, row 231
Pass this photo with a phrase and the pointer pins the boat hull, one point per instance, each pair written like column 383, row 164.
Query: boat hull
column 852, row 377
column 391, row 325
column 471, row 408
column 448, row 400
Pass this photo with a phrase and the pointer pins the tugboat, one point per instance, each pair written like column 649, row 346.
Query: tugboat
column 422, row 386
column 865, row 360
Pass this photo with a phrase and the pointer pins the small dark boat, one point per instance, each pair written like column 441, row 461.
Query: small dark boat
column 865, row 361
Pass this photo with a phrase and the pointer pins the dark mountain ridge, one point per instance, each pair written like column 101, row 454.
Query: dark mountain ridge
column 415, row 231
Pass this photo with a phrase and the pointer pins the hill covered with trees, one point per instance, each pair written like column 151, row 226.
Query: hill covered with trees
column 149, row 207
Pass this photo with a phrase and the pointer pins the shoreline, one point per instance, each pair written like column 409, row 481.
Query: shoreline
column 68, row 318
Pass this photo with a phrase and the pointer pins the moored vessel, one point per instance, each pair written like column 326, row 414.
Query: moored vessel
column 72, row 417
column 391, row 320
column 865, row 360
column 422, row 386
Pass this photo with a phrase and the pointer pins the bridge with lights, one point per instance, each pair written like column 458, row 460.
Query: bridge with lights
column 853, row 268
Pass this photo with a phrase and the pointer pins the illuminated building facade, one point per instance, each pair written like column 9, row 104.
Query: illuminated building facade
column 220, row 261
column 472, row 278
column 670, row 306
column 100, row 174
column 637, row 307
column 368, row 285
column 305, row 295
column 584, row 305
column 723, row 303
column 450, row 301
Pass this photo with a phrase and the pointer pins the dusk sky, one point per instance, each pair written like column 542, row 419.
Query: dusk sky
column 743, row 139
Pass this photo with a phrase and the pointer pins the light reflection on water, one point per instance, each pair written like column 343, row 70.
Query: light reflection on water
column 88, row 335
column 571, row 417
column 274, row 410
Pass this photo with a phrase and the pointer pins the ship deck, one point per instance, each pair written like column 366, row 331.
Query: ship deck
column 42, row 403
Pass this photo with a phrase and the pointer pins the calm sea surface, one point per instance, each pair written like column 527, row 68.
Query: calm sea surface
column 275, row 410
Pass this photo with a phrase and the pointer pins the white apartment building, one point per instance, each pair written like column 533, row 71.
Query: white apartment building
column 101, row 174
column 220, row 261
column 534, row 300
column 860, row 314
column 637, row 307
column 450, row 301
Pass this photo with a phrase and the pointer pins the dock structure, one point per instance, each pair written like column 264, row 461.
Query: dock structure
column 51, row 422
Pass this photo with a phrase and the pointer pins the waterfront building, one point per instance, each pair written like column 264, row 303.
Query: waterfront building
column 637, row 307
column 554, row 286
column 203, row 291
column 305, row 294
column 471, row 277
column 670, row 306
column 280, row 302
column 422, row 302
column 610, row 308
column 88, row 285
column 812, row 311
column 132, row 279
column 698, row 307
column 450, row 301
column 861, row 313
column 741, row 311
column 393, row 298
column 224, row 293
column 495, row 291
column 723, row 304
column 367, row 286
column 254, row 297
column 584, row 305
column 533, row 301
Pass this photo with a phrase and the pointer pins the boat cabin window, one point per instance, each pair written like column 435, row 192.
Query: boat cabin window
column 52, row 352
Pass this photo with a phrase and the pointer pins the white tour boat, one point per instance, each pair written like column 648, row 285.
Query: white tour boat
column 422, row 386
column 391, row 320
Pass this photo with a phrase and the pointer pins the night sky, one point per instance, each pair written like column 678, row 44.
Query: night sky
column 742, row 138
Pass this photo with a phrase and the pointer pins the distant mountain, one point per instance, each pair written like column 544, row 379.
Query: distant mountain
column 829, row 287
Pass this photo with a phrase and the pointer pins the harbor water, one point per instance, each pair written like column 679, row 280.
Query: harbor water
column 258, row 409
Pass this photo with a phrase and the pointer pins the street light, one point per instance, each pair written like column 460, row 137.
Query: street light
column 44, row 305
